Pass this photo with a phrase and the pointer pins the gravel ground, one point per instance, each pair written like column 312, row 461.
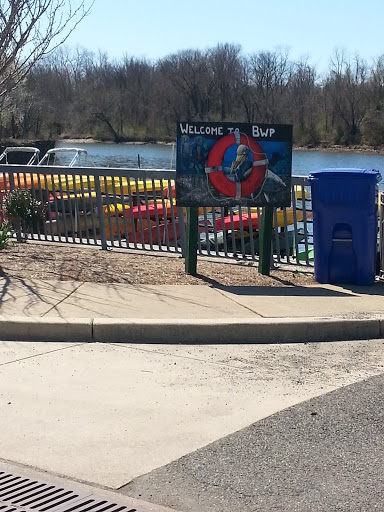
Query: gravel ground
column 35, row 260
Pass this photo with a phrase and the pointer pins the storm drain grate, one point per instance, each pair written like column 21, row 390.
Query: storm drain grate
column 21, row 494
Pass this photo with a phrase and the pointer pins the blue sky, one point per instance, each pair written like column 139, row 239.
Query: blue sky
column 156, row 28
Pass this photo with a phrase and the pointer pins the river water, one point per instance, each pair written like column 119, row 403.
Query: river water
column 162, row 156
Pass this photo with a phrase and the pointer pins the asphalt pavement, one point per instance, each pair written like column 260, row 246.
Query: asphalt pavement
column 326, row 454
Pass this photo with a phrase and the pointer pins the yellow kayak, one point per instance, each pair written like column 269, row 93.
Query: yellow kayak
column 108, row 184
column 299, row 193
column 290, row 217
column 120, row 186
column 69, row 183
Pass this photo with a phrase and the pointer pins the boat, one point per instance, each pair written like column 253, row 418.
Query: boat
column 64, row 184
column 78, row 157
column 122, row 186
column 63, row 157
column 246, row 221
column 153, row 223
column 159, row 209
column 304, row 255
column 156, row 234
column 67, row 157
column 20, row 155
column 68, row 193
column 299, row 193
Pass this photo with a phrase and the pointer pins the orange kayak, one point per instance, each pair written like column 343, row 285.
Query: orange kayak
column 22, row 180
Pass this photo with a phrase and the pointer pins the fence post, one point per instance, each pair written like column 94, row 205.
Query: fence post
column 18, row 225
column 191, row 240
column 100, row 213
column 180, row 220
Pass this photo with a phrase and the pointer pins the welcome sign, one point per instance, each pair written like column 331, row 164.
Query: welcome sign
column 229, row 164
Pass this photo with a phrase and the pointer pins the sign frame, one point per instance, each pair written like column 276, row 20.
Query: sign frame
column 231, row 164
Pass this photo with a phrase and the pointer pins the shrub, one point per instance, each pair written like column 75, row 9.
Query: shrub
column 5, row 235
column 24, row 212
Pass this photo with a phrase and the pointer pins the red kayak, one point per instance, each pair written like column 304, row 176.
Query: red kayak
column 143, row 211
column 234, row 222
column 152, row 234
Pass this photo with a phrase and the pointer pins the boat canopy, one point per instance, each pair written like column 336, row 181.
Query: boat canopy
column 15, row 150
column 68, row 157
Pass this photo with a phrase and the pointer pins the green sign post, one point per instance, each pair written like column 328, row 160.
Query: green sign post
column 265, row 240
column 192, row 232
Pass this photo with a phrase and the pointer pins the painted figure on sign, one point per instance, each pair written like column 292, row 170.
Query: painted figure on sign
column 242, row 166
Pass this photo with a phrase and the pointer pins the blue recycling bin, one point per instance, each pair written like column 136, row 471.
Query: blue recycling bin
column 344, row 205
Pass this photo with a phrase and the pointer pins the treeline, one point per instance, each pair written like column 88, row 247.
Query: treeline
column 77, row 94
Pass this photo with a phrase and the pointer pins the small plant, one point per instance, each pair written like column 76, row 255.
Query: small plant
column 5, row 235
column 24, row 212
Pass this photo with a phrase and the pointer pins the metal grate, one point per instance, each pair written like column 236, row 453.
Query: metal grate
column 21, row 494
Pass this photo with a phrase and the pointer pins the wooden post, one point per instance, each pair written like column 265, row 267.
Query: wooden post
column 192, row 232
column 265, row 240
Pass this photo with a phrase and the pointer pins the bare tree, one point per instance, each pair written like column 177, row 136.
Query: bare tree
column 81, row 95
column 30, row 29
column 305, row 97
column 373, row 122
column 268, row 74
column 347, row 88
column 225, row 63
column 188, row 73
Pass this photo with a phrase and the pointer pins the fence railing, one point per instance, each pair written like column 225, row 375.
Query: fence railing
column 136, row 209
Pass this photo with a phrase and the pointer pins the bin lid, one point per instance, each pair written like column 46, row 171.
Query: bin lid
column 342, row 171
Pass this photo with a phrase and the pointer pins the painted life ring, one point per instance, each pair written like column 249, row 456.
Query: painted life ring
column 220, row 181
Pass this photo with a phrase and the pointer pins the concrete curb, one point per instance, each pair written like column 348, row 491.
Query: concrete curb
column 22, row 328
column 259, row 330
column 252, row 330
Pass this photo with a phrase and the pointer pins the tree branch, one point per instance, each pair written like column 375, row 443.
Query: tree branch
column 30, row 29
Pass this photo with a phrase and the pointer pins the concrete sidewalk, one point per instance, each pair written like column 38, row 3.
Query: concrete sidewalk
column 82, row 312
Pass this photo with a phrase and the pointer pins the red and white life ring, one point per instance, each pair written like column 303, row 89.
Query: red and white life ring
column 220, row 181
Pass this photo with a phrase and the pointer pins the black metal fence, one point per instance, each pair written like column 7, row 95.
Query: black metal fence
column 136, row 209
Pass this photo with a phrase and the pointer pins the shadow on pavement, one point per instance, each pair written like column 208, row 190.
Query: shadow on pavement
column 284, row 291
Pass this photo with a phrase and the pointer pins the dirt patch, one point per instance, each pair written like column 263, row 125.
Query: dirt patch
column 89, row 264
